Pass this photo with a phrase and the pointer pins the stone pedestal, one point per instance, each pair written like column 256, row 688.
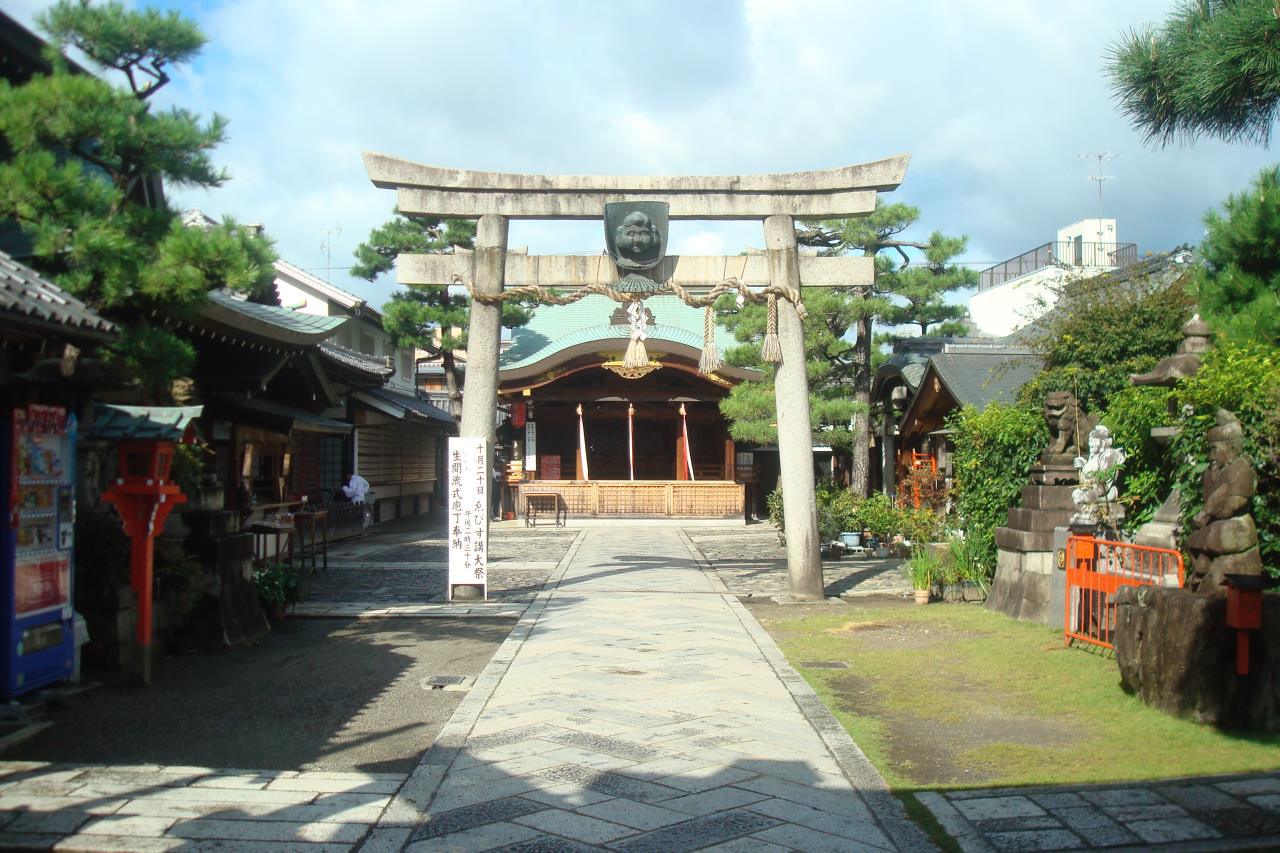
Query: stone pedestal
column 1176, row 653
column 1029, row 584
column 1162, row 530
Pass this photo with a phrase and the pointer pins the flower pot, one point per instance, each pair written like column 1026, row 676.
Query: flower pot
column 882, row 552
column 922, row 596
column 277, row 612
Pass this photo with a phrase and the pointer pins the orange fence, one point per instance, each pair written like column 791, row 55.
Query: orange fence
column 1096, row 568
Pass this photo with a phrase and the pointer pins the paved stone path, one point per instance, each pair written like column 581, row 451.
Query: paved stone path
column 1235, row 813
column 752, row 562
column 404, row 573
column 639, row 707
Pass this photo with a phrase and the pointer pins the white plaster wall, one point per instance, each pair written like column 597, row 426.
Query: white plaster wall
column 292, row 296
column 1005, row 308
column 1091, row 231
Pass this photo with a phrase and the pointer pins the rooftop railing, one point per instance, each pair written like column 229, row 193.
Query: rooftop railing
column 1069, row 253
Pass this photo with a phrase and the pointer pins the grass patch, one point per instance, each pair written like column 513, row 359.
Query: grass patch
column 953, row 696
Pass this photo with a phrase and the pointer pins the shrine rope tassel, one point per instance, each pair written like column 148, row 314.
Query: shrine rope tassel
column 637, row 355
column 771, row 349
column 709, row 362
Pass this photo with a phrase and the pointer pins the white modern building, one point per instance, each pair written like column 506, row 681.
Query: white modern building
column 1012, row 294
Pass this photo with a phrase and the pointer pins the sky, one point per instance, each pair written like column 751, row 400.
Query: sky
column 998, row 102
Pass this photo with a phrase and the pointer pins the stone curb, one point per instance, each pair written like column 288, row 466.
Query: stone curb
column 409, row 806
column 861, row 773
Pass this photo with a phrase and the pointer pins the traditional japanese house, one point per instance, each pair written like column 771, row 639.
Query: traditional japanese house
column 613, row 441
column 272, row 413
column 922, row 383
column 398, row 437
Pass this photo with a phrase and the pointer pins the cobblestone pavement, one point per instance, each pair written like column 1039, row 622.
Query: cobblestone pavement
column 1235, row 813
column 402, row 572
column 638, row 706
column 751, row 562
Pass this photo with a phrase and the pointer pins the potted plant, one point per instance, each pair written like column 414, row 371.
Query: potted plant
column 880, row 518
column 923, row 568
column 278, row 589
column 970, row 555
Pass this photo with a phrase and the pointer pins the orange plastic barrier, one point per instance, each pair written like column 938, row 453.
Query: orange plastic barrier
column 1096, row 568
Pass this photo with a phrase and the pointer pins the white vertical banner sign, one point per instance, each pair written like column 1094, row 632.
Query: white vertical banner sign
column 468, row 514
column 530, row 447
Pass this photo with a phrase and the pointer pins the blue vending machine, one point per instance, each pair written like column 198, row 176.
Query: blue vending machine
column 36, row 601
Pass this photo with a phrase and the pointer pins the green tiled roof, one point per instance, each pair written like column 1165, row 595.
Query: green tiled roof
column 148, row 423
column 558, row 327
column 271, row 322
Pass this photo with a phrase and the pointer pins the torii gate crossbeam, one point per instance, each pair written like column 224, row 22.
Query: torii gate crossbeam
column 494, row 198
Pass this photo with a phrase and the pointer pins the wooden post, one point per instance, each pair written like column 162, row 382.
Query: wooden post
column 795, row 435
column 682, row 472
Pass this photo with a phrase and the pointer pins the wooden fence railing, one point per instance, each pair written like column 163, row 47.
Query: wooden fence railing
column 641, row 498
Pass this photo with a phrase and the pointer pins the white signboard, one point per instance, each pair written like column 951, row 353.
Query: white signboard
column 530, row 447
column 468, row 514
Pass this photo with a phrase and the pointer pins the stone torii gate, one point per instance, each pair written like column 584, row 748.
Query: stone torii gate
column 495, row 198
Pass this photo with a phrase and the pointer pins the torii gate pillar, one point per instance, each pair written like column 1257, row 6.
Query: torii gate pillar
column 779, row 199
column 795, row 435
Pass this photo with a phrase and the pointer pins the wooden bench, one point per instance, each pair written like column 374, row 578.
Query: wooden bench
column 536, row 503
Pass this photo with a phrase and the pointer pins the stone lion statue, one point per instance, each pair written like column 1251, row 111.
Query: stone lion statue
column 1067, row 424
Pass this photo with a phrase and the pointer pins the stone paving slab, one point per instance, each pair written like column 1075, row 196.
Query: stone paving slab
column 639, row 706
column 1218, row 813
column 751, row 562
column 403, row 575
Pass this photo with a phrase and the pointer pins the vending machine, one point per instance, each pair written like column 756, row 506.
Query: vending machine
column 35, row 602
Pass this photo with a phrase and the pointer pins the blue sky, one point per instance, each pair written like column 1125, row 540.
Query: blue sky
column 996, row 101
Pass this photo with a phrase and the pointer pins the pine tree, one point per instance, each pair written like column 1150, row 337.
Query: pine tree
column 830, row 360
column 433, row 319
column 1239, row 288
column 83, row 180
column 877, row 236
column 1212, row 68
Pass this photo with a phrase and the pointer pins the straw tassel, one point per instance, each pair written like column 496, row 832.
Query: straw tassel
column 637, row 355
column 709, row 363
column 771, row 349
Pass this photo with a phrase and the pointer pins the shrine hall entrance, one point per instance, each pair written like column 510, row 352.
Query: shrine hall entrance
column 655, row 445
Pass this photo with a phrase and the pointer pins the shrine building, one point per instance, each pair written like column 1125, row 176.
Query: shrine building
column 616, row 441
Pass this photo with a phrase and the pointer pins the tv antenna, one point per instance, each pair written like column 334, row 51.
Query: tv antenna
column 1103, row 159
column 326, row 246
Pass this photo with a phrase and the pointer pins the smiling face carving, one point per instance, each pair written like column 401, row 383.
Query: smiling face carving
column 636, row 233
column 637, row 237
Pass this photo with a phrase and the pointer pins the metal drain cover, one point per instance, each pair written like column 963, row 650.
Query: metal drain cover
column 447, row 682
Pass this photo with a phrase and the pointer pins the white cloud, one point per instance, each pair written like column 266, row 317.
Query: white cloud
column 995, row 100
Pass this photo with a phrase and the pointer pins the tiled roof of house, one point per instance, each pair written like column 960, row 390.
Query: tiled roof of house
column 978, row 378
column 23, row 291
column 351, row 359
column 404, row 405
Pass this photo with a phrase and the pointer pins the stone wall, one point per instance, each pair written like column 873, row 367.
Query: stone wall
column 1177, row 654
column 1028, row 586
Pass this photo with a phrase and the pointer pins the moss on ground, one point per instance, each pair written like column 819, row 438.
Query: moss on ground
column 954, row 695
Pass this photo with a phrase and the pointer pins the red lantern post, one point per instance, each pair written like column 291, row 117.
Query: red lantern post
column 144, row 496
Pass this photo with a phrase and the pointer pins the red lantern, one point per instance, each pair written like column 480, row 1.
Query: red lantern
column 518, row 415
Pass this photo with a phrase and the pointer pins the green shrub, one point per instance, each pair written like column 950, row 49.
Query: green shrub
column 278, row 585
column 995, row 449
column 879, row 517
column 1148, row 472
column 1245, row 380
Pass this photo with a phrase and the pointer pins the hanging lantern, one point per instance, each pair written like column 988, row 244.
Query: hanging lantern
column 518, row 415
